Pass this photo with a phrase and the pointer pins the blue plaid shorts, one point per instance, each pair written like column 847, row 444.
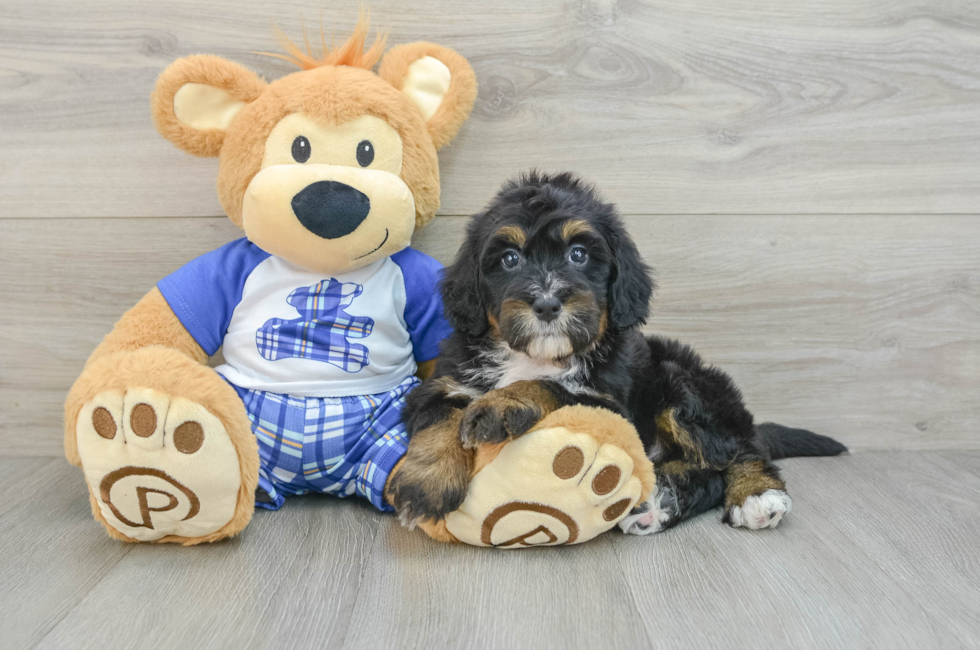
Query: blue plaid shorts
column 335, row 445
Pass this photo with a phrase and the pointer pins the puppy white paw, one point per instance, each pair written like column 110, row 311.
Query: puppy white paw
column 764, row 510
column 651, row 516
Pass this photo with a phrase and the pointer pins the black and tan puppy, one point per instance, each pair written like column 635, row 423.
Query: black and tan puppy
column 547, row 295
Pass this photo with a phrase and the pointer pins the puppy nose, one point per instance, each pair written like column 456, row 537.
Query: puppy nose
column 546, row 308
column 330, row 209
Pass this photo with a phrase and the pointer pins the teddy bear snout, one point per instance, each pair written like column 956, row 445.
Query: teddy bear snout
column 330, row 209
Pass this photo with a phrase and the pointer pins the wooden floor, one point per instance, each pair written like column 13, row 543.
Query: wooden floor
column 882, row 550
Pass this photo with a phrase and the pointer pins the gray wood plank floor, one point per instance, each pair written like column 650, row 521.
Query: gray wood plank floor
column 881, row 551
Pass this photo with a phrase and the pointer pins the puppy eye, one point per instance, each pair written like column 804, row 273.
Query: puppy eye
column 301, row 149
column 578, row 255
column 510, row 259
column 365, row 153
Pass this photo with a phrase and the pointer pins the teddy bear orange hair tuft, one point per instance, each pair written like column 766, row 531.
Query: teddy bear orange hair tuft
column 209, row 106
column 351, row 53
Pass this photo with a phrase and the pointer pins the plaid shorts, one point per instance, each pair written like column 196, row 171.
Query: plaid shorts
column 335, row 445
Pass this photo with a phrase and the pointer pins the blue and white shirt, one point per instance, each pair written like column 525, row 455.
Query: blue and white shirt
column 289, row 330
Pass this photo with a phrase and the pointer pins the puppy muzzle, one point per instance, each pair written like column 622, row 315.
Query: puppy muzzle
column 547, row 307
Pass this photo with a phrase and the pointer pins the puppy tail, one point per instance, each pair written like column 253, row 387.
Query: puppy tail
column 785, row 442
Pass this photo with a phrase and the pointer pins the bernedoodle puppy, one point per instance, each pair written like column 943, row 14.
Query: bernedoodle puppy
column 547, row 295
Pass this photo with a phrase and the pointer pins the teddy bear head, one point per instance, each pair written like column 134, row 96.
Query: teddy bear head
column 330, row 168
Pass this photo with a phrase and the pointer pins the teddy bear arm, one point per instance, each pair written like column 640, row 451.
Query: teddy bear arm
column 151, row 322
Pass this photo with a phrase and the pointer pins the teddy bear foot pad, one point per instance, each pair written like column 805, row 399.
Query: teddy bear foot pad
column 584, row 488
column 157, row 465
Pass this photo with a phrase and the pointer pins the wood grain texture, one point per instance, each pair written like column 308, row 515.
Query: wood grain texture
column 918, row 520
column 843, row 106
column 880, row 551
column 51, row 554
column 845, row 586
column 450, row 597
column 864, row 329
column 292, row 581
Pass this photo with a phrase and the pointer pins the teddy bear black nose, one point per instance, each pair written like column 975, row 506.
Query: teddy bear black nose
column 330, row 209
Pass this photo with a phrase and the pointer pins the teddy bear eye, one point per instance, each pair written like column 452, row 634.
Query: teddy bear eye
column 365, row 153
column 301, row 149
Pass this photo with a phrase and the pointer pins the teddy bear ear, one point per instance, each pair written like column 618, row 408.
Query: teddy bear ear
column 437, row 80
column 197, row 97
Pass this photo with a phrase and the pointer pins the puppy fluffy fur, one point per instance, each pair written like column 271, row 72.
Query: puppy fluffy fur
column 547, row 295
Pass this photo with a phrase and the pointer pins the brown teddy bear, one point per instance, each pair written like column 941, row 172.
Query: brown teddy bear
column 325, row 315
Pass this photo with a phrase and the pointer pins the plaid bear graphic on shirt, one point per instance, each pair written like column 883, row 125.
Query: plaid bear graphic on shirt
column 322, row 331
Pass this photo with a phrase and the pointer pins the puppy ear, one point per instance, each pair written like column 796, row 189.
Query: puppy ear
column 437, row 80
column 198, row 97
column 462, row 287
column 630, row 284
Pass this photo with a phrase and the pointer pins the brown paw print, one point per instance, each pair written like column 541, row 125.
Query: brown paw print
column 158, row 465
column 584, row 489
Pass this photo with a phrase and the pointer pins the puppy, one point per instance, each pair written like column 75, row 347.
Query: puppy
column 547, row 295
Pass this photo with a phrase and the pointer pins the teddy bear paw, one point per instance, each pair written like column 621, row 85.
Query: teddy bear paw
column 552, row 486
column 157, row 466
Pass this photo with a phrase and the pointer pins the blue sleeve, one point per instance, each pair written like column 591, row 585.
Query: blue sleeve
column 204, row 292
column 423, row 306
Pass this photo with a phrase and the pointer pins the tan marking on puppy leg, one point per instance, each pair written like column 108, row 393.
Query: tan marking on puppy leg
column 575, row 227
column 424, row 369
column 667, row 423
column 436, row 467
column 438, row 531
column 505, row 413
column 521, row 394
column 513, row 234
column 675, row 467
column 391, row 475
column 743, row 480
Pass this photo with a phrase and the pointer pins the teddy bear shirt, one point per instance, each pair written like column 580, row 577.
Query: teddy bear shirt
column 285, row 329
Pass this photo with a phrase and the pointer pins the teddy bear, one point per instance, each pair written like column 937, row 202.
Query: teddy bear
column 325, row 315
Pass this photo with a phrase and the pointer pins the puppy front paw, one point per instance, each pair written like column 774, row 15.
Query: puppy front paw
column 423, row 491
column 496, row 418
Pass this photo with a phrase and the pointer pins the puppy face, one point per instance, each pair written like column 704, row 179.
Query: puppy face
column 546, row 280
column 548, row 268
